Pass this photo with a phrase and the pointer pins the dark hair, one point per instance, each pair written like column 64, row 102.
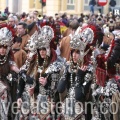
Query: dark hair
column 25, row 26
column 41, row 60
column 56, row 14
column 23, row 15
column 17, row 39
column 75, row 50
column 74, row 24
column 39, row 15
column 40, row 63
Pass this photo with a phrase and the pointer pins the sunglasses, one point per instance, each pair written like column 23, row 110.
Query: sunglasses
column 3, row 46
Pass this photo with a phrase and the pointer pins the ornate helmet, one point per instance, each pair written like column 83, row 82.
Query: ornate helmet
column 91, row 34
column 5, row 37
column 5, row 40
column 45, row 37
column 75, row 42
column 32, row 44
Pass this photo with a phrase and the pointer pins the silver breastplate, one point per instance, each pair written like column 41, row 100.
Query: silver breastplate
column 42, row 90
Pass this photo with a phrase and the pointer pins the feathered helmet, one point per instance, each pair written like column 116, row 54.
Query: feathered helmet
column 5, row 40
column 77, row 44
column 88, row 37
column 5, row 37
column 45, row 37
column 32, row 44
column 91, row 34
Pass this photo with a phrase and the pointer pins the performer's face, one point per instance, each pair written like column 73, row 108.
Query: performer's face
column 43, row 53
column 30, row 57
column 75, row 56
column 3, row 49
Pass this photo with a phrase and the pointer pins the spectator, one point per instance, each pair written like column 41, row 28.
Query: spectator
column 6, row 11
column 11, row 21
column 22, row 32
column 80, row 20
column 19, row 54
column 92, row 3
column 65, row 42
column 64, row 19
column 112, row 3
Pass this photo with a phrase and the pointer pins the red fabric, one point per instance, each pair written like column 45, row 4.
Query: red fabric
column 101, row 68
column 12, row 30
column 43, row 24
column 111, row 48
column 54, row 55
column 101, row 76
column 52, row 43
column 61, row 23
column 117, row 79
column 95, row 30
column 101, row 61
column 87, row 58
column 2, row 25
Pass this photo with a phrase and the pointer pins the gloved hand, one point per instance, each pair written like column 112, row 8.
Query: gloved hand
column 25, row 77
column 22, row 72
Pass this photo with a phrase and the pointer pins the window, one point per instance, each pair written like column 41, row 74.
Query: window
column 70, row 4
column 86, row 2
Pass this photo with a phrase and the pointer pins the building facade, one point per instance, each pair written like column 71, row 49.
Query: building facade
column 3, row 5
column 52, row 6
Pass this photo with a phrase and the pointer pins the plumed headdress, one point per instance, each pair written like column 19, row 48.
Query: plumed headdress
column 45, row 37
column 5, row 37
column 33, row 43
column 75, row 42
column 92, row 34
column 5, row 40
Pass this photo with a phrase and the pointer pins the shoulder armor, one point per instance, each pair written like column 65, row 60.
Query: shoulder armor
column 55, row 67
